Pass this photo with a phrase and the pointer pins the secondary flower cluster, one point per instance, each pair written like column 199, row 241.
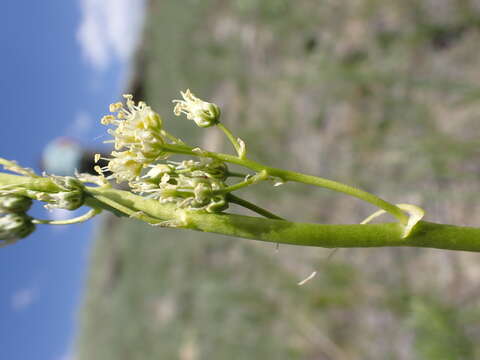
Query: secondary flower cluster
column 196, row 185
column 140, row 157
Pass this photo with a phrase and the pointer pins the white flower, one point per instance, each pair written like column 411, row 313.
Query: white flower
column 124, row 166
column 204, row 114
column 138, row 129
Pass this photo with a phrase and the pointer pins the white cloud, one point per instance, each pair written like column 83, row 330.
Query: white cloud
column 23, row 298
column 109, row 29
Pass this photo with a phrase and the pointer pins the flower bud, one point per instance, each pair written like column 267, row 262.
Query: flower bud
column 14, row 203
column 202, row 192
column 15, row 226
column 68, row 200
column 217, row 204
column 215, row 169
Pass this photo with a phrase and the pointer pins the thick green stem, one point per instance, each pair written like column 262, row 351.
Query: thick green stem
column 424, row 234
column 37, row 183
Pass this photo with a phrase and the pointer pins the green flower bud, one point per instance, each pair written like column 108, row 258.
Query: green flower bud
column 202, row 193
column 14, row 203
column 211, row 168
column 217, row 169
column 217, row 204
column 15, row 226
column 69, row 200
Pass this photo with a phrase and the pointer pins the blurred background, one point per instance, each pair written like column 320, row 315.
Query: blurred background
column 381, row 95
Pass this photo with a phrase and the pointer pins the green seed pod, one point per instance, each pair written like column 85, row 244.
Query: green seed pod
column 15, row 226
column 14, row 203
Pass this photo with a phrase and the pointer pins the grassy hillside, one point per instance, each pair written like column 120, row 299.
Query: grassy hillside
column 382, row 95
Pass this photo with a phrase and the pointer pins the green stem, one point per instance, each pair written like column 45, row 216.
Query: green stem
column 82, row 218
column 251, row 206
column 425, row 234
column 172, row 138
column 287, row 175
column 262, row 175
column 236, row 174
column 13, row 166
column 230, row 137
column 27, row 182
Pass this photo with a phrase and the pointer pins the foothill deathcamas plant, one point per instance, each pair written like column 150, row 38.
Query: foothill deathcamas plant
column 195, row 190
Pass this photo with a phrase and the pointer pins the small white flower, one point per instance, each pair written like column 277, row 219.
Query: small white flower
column 204, row 114
column 124, row 166
column 137, row 128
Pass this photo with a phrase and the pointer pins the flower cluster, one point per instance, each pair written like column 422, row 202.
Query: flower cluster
column 139, row 156
column 196, row 185
column 138, row 134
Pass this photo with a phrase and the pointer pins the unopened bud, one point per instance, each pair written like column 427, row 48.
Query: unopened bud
column 202, row 192
column 217, row 204
column 14, row 203
column 15, row 226
column 69, row 200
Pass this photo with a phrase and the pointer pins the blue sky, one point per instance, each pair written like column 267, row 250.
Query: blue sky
column 62, row 63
